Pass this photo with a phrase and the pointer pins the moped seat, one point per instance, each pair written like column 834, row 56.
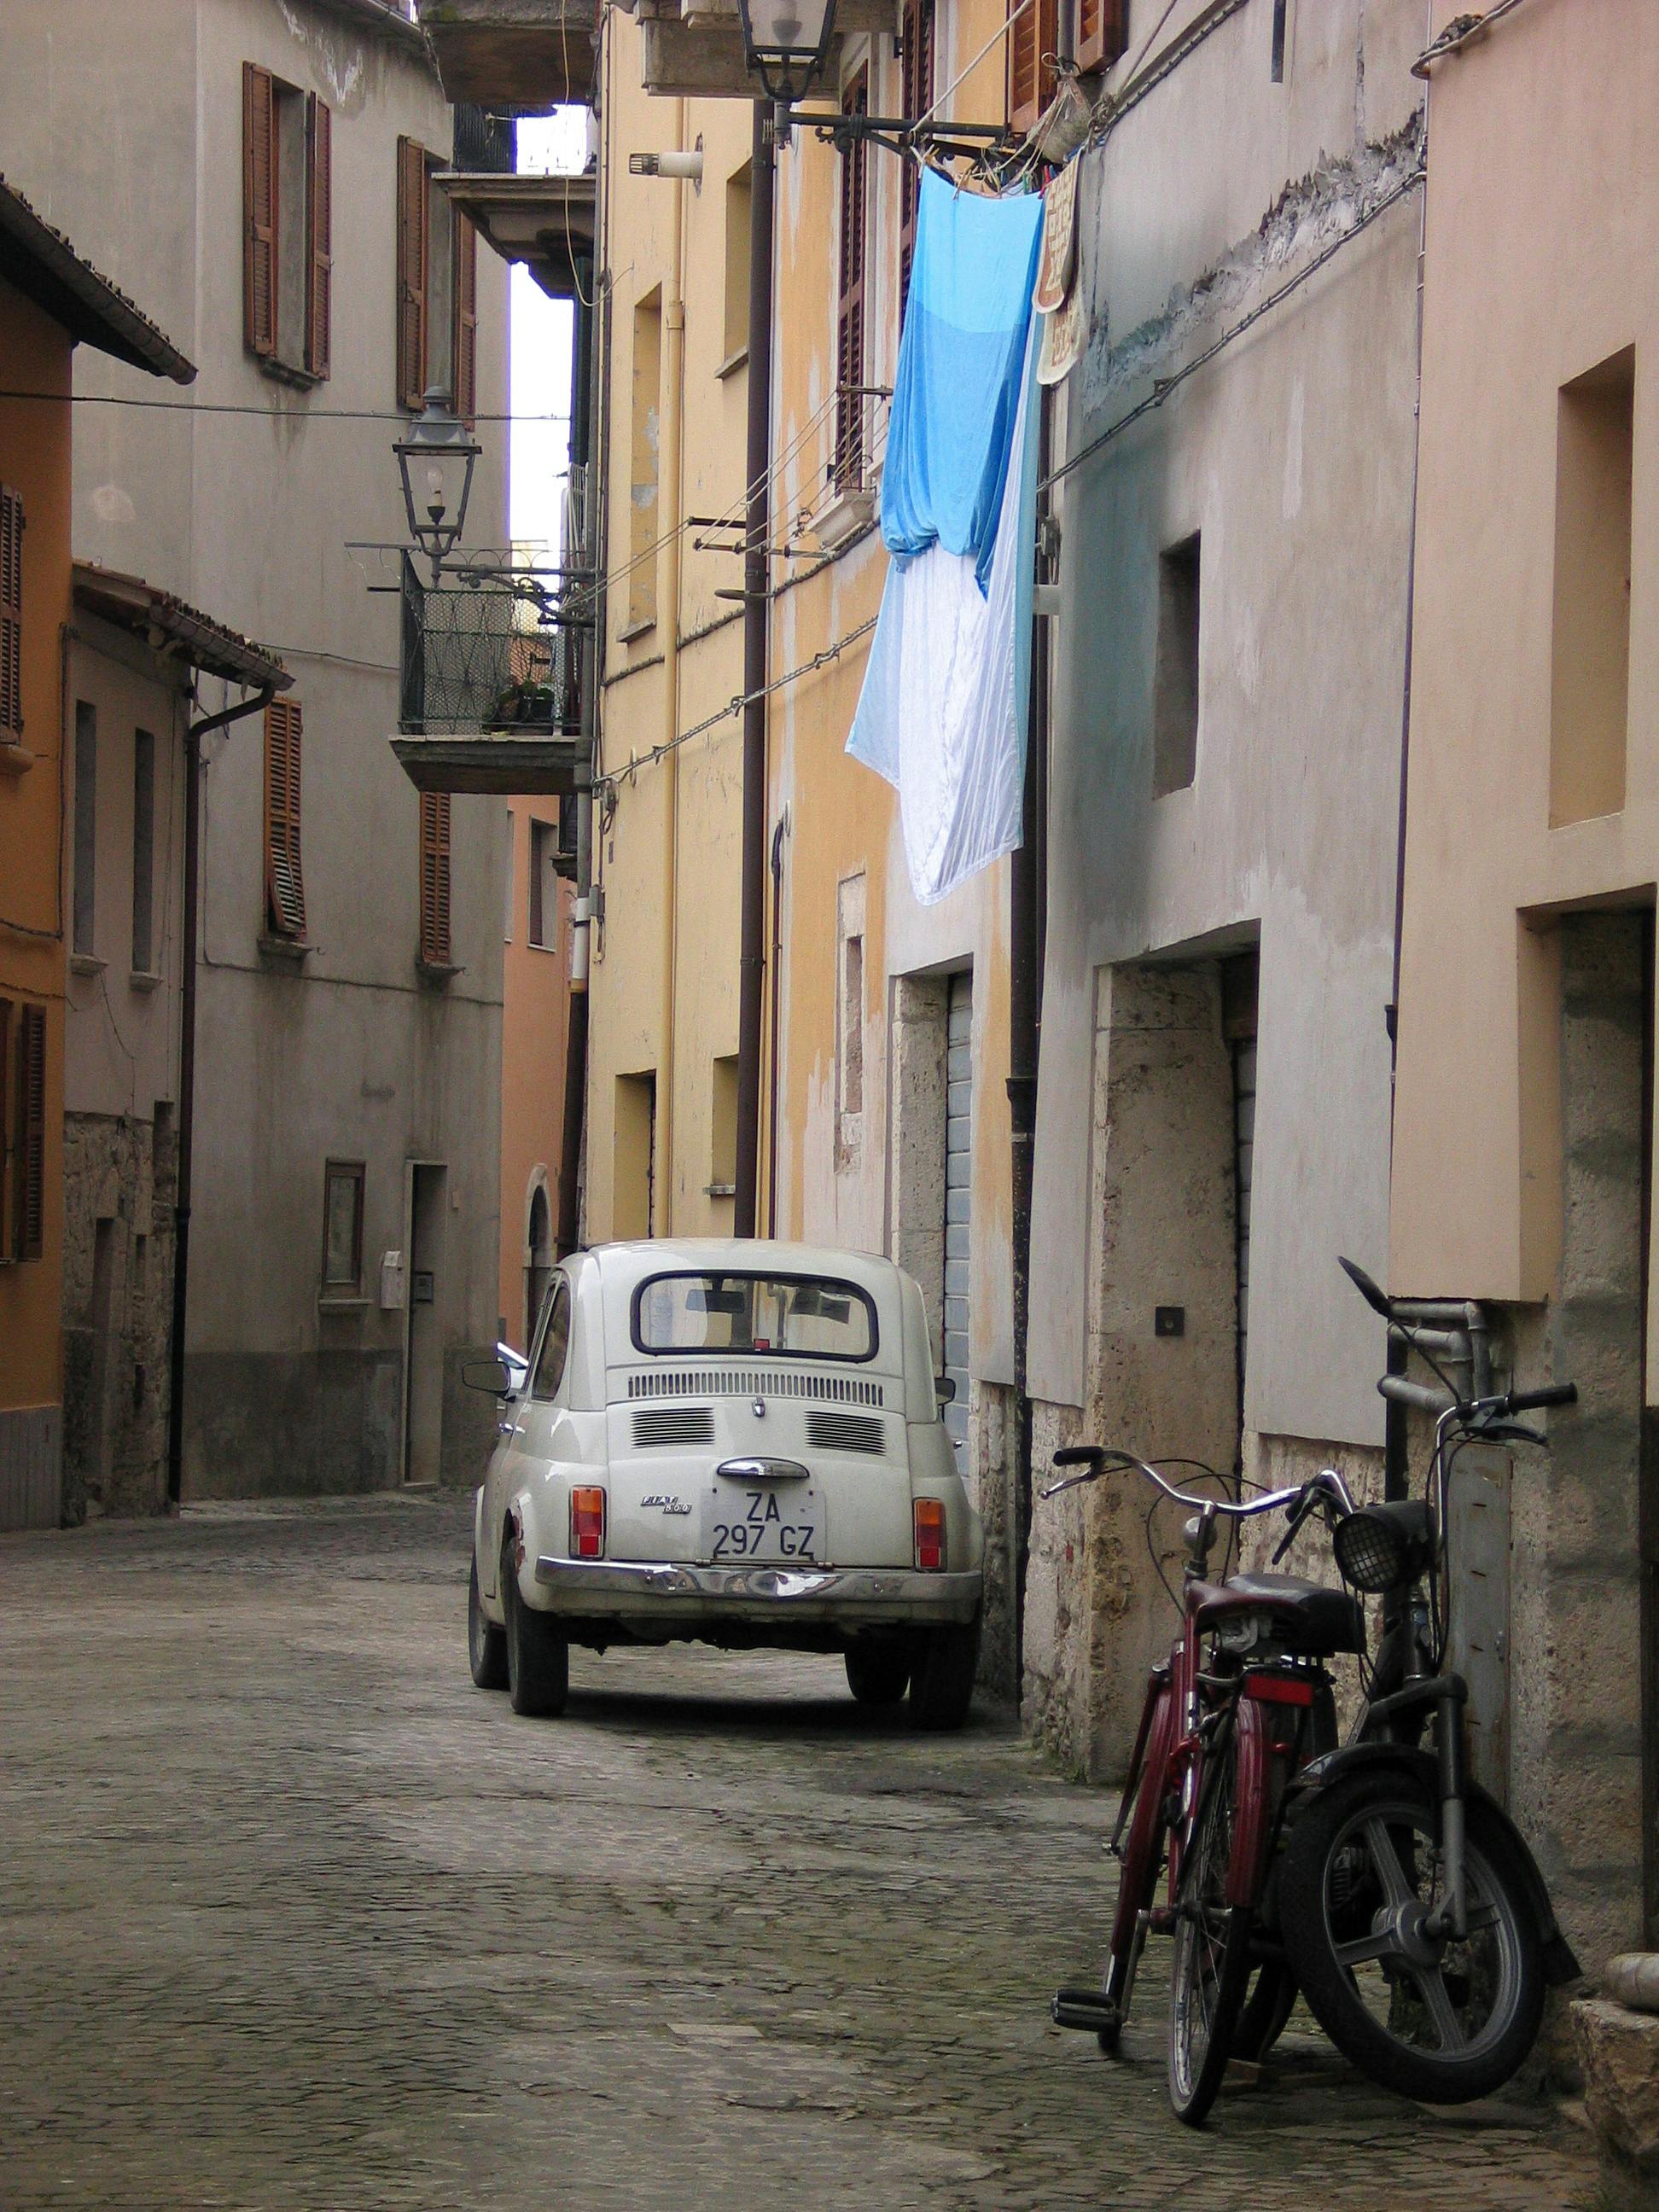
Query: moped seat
column 1313, row 1617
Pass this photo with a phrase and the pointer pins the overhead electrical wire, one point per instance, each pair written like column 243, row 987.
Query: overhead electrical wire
column 266, row 414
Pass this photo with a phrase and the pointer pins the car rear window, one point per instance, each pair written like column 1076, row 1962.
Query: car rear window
column 802, row 1317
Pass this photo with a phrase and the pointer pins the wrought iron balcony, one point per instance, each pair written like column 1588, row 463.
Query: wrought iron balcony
column 486, row 143
column 491, row 693
column 518, row 57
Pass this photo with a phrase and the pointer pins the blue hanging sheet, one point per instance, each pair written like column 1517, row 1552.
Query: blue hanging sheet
column 957, row 393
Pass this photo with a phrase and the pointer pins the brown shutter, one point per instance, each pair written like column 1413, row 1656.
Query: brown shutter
column 918, row 97
column 1100, row 32
column 8, row 1132
column 466, row 318
column 29, row 1215
column 850, row 320
column 412, row 245
column 259, row 200
column 285, row 884
column 11, row 615
column 434, row 878
column 1031, row 81
column 319, row 222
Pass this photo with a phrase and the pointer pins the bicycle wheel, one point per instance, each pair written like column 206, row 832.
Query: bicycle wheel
column 1212, row 1963
column 1431, row 2017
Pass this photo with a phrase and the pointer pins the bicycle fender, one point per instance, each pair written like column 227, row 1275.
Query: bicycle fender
column 1247, row 1865
column 1560, row 1966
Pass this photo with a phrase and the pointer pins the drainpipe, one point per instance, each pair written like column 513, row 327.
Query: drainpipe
column 778, row 837
column 751, row 967
column 1027, row 895
column 194, row 733
column 669, row 428
column 588, row 338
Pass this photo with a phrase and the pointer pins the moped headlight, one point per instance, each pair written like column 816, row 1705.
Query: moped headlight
column 1374, row 1552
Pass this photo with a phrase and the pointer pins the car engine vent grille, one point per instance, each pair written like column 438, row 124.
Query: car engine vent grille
column 755, row 1382
column 846, row 1432
column 672, row 1425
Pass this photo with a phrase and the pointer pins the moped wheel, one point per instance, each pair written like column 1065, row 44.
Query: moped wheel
column 1269, row 2006
column 1437, row 2019
column 1211, row 1963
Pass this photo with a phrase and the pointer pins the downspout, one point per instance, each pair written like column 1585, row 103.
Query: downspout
column 585, row 379
column 670, row 426
column 751, row 967
column 778, row 837
column 194, row 733
column 1027, row 904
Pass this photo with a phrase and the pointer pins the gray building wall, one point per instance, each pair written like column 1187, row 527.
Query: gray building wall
column 1289, row 455
column 136, row 149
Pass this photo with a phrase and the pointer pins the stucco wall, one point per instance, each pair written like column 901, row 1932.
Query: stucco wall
column 536, row 1001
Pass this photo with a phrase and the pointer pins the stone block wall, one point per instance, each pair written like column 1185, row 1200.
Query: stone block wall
column 118, row 1193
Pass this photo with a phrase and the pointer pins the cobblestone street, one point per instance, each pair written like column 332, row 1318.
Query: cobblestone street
column 296, row 1917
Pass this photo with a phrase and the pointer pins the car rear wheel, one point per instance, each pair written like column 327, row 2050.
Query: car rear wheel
column 878, row 1673
column 486, row 1644
column 538, row 1660
column 942, row 1677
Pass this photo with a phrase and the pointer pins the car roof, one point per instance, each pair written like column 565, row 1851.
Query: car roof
column 630, row 1263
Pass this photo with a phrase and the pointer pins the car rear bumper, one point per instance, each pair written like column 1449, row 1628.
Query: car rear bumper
column 855, row 1597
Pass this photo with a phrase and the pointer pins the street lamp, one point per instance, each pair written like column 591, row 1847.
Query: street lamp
column 784, row 44
column 436, row 460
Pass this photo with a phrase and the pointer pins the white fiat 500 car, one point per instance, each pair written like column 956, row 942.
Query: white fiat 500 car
column 733, row 1441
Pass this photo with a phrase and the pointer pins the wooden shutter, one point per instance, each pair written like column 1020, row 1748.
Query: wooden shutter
column 412, row 248
column 434, row 878
column 285, row 884
column 259, row 201
column 1100, row 32
column 918, row 97
column 319, row 224
column 29, row 1203
column 11, row 615
column 1030, row 83
column 466, row 318
column 849, row 319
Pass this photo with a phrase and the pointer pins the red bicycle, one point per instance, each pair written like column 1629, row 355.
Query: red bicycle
column 1237, row 1709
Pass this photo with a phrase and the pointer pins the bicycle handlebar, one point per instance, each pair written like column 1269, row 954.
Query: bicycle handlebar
column 1100, row 1458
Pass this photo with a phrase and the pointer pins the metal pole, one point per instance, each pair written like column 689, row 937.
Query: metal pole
column 194, row 733
column 590, row 331
column 751, row 970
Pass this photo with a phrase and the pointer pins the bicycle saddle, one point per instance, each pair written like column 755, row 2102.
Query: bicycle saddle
column 1314, row 1617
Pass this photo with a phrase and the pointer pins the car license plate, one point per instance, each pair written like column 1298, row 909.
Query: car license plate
column 764, row 1524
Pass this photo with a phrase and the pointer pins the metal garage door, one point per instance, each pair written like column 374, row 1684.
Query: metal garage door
column 958, row 1202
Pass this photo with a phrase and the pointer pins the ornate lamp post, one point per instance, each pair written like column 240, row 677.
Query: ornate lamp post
column 435, row 461
column 784, row 44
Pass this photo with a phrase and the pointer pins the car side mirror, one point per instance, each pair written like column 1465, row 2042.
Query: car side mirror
column 490, row 1376
column 944, row 1390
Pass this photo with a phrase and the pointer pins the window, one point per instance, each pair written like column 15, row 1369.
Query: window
column 1102, row 33
column 437, row 287
column 1590, row 676
column 435, row 952
column 849, row 1019
column 737, row 205
column 723, row 1129
column 555, row 1346
column 642, row 464
column 1175, row 684
column 24, row 1127
column 916, row 72
column 343, row 1226
column 634, row 1156
column 1033, row 38
column 86, row 826
column 143, row 850
column 543, row 885
column 1276, row 66
column 805, row 1316
column 11, row 617
column 847, row 470
column 285, row 884
column 287, row 225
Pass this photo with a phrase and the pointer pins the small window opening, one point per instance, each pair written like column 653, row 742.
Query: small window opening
column 1176, row 689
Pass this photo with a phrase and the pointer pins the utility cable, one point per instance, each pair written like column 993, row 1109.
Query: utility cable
column 264, row 414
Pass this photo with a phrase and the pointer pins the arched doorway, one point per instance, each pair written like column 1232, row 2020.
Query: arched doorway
column 538, row 1260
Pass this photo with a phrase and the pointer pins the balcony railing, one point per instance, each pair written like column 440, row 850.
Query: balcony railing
column 486, row 144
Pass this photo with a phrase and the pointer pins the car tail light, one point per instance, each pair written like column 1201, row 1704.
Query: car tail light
column 587, row 1525
column 930, row 1534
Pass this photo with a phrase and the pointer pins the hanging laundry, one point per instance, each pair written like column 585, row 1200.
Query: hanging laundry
column 942, row 713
